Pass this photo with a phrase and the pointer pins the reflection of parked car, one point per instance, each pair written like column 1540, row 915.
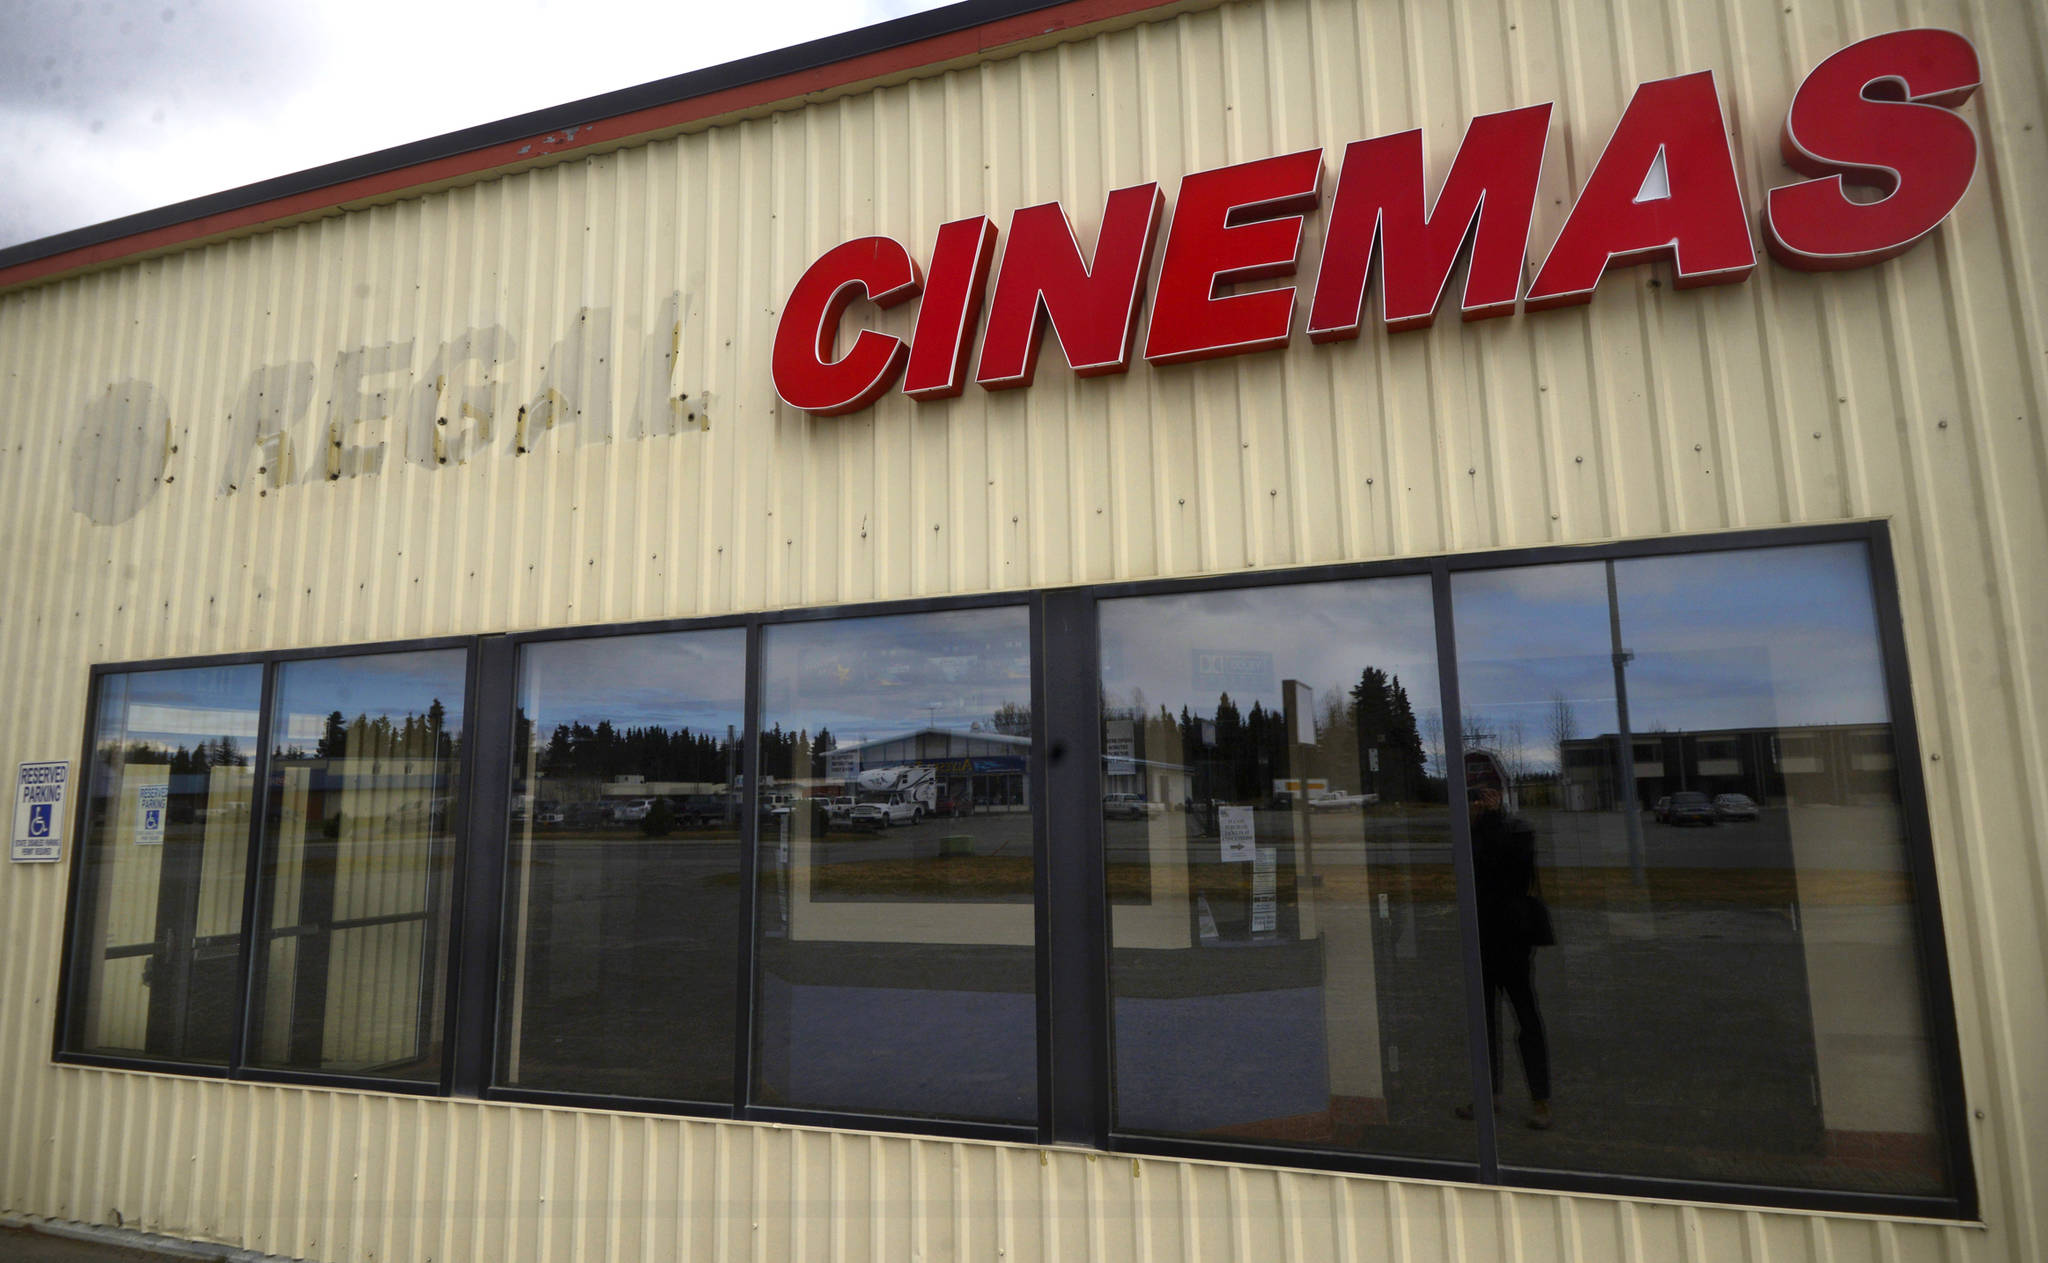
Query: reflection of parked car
column 880, row 815
column 1337, row 800
column 839, row 810
column 1128, row 807
column 700, row 811
column 1734, row 807
column 1688, row 808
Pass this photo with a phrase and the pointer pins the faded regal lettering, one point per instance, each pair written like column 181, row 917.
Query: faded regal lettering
column 455, row 405
column 386, row 405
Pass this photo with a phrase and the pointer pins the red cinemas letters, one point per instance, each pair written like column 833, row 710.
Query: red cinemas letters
column 1664, row 188
column 806, row 375
column 1380, row 202
column 1093, row 307
column 1879, row 113
column 1232, row 224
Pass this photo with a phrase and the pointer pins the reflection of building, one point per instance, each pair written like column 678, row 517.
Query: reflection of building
column 988, row 765
column 1813, row 763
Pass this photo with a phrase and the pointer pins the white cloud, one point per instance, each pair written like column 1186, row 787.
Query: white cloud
column 110, row 107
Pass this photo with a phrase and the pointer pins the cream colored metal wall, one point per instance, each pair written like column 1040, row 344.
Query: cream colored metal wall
column 167, row 429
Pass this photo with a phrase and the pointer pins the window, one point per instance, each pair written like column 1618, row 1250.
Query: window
column 357, row 865
column 1603, row 868
column 270, row 894
column 157, row 940
column 1728, row 982
column 1285, row 965
column 622, row 889
column 897, row 964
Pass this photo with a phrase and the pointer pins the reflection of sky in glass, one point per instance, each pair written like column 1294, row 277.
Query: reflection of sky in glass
column 1527, row 637
column 673, row 680
column 174, row 708
column 867, row 678
column 390, row 684
column 1752, row 638
column 1185, row 650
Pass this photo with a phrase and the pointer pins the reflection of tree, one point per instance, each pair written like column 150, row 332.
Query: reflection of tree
column 182, row 761
column 603, row 751
column 1385, row 724
column 414, row 737
column 1563, row 725
column 1013, row 720
column 1368, row 738
column 1433, row 743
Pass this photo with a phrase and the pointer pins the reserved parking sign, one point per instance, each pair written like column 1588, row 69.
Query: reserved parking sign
column 39, row 812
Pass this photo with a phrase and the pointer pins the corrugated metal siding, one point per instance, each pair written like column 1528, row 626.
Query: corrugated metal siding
column 623, row 304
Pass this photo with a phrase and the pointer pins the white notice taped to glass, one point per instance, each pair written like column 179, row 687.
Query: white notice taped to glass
column 1234, row 826
column 39, row 812
column 151, row 802
column 1119, row 749
column 1265, row 909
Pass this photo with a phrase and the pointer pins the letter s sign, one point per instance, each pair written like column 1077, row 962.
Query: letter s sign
column 1878, row 113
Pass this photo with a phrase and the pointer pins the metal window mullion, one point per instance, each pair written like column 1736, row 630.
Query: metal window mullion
column 469, row 1051
column 1072, row 914
column 747, row 993
column 252, row 874
column 1478, row 1048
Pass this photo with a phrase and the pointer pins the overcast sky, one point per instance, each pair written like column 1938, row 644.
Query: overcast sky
column 108, row 107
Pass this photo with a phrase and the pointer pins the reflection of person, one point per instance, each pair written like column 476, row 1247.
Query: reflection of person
column 1513, row 923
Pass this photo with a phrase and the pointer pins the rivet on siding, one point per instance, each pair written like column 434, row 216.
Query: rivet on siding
column 1578, row 460
column 1695, row 447
column 1940, row 425
column 1935, row 757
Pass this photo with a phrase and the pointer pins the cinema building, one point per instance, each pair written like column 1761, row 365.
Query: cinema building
column 1056, row 631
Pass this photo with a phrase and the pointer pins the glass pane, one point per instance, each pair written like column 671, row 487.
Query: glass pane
column 1698, row 922
column 166, row 848
column 358, row 857
column 622, row 890
column 897, row 933
column 1286, row 965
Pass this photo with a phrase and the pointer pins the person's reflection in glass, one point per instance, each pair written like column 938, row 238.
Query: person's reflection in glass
column 1513, row 923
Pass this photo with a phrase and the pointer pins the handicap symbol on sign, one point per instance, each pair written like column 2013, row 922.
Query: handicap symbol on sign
column 149, row 819
column 39, row 820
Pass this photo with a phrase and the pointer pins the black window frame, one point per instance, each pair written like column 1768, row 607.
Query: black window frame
column 238, row 1068
column 1071, row 914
